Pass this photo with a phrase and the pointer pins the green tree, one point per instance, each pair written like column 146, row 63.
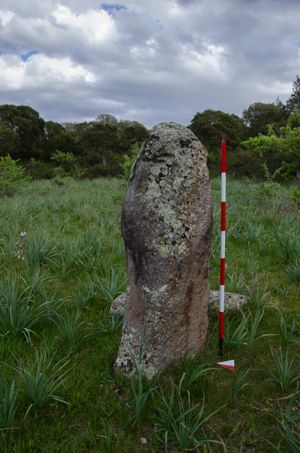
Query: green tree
column 279, row 151
column 29, row 127
column 100, row 149
column 133, row 131
column 67, row 164
column 293, row 103
column 103, row 144
column 97, row 147
column 209, row 126
column 294, row 120
column 258, row 116
column 9, row 140
column 12, row 175
column 57, row 137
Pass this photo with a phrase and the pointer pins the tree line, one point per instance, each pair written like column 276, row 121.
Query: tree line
column 264, row 140
column 47, row 148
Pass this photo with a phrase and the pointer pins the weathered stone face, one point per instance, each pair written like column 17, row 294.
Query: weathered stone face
column 233, row 301
column 166, row 226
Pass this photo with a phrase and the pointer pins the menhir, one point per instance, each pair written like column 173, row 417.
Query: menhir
column 166, row 226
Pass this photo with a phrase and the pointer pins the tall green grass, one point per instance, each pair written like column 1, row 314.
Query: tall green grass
column 57, row 283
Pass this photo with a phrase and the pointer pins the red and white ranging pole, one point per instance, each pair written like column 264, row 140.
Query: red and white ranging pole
column 223, row 240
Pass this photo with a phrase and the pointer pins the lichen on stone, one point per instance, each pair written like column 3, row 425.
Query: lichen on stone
column 166, row 226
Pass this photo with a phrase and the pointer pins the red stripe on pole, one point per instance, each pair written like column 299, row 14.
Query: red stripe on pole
column 222, row 271
column 222, row 237
column 223, row 215
column 221, row 325
column 223, row 156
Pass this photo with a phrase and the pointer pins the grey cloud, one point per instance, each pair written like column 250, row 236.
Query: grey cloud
column 169, row 58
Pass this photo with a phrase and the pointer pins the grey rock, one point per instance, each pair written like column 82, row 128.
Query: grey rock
column 166, row 227
column 233, row 301
column 118, row 306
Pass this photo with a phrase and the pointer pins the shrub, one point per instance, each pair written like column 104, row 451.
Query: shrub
column 66, row 164
column 38, row 169
column 12, row 175
column 128, row 161
column 295, row 196
column 266, row 191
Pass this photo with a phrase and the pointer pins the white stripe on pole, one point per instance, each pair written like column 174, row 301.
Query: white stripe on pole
column 223, row 243
column 222, row 297
column 223, row 186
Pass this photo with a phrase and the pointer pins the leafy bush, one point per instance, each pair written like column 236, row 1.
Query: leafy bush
column 12, row 175
column 66, row 164
column 295, row 196
column 266, row 190
column 128, row 161
column 38, row 169
column 280, row 151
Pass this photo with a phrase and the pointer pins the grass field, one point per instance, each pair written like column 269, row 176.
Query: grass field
column 62, row 263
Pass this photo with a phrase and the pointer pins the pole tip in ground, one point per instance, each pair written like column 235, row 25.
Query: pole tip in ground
column 228, row 365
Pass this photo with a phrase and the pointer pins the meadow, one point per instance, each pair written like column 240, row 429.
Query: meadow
column 62, row 263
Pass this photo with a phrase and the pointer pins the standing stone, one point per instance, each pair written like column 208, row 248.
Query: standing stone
column 166, row 226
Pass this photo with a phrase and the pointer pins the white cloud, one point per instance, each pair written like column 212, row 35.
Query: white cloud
column 96, row 26
column 147, row 50
column 210, row 62
column 40, row 71
column 6, row 16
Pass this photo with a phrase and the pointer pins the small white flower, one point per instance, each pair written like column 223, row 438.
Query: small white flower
column 23, row 233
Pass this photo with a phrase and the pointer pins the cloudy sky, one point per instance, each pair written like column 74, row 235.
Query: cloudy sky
column 148, row 60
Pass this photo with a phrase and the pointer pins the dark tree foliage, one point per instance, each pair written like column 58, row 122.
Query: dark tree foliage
column 279, row 152
column 293, row 103
column 209, row 126
column 29, row 127
column 58, row 138
column 100, row 147
column 258, row 116
column 102, row 144
column 96, row 148
column 97, row 140
column 133, row 131
column 245, row 163
column 9, row 140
